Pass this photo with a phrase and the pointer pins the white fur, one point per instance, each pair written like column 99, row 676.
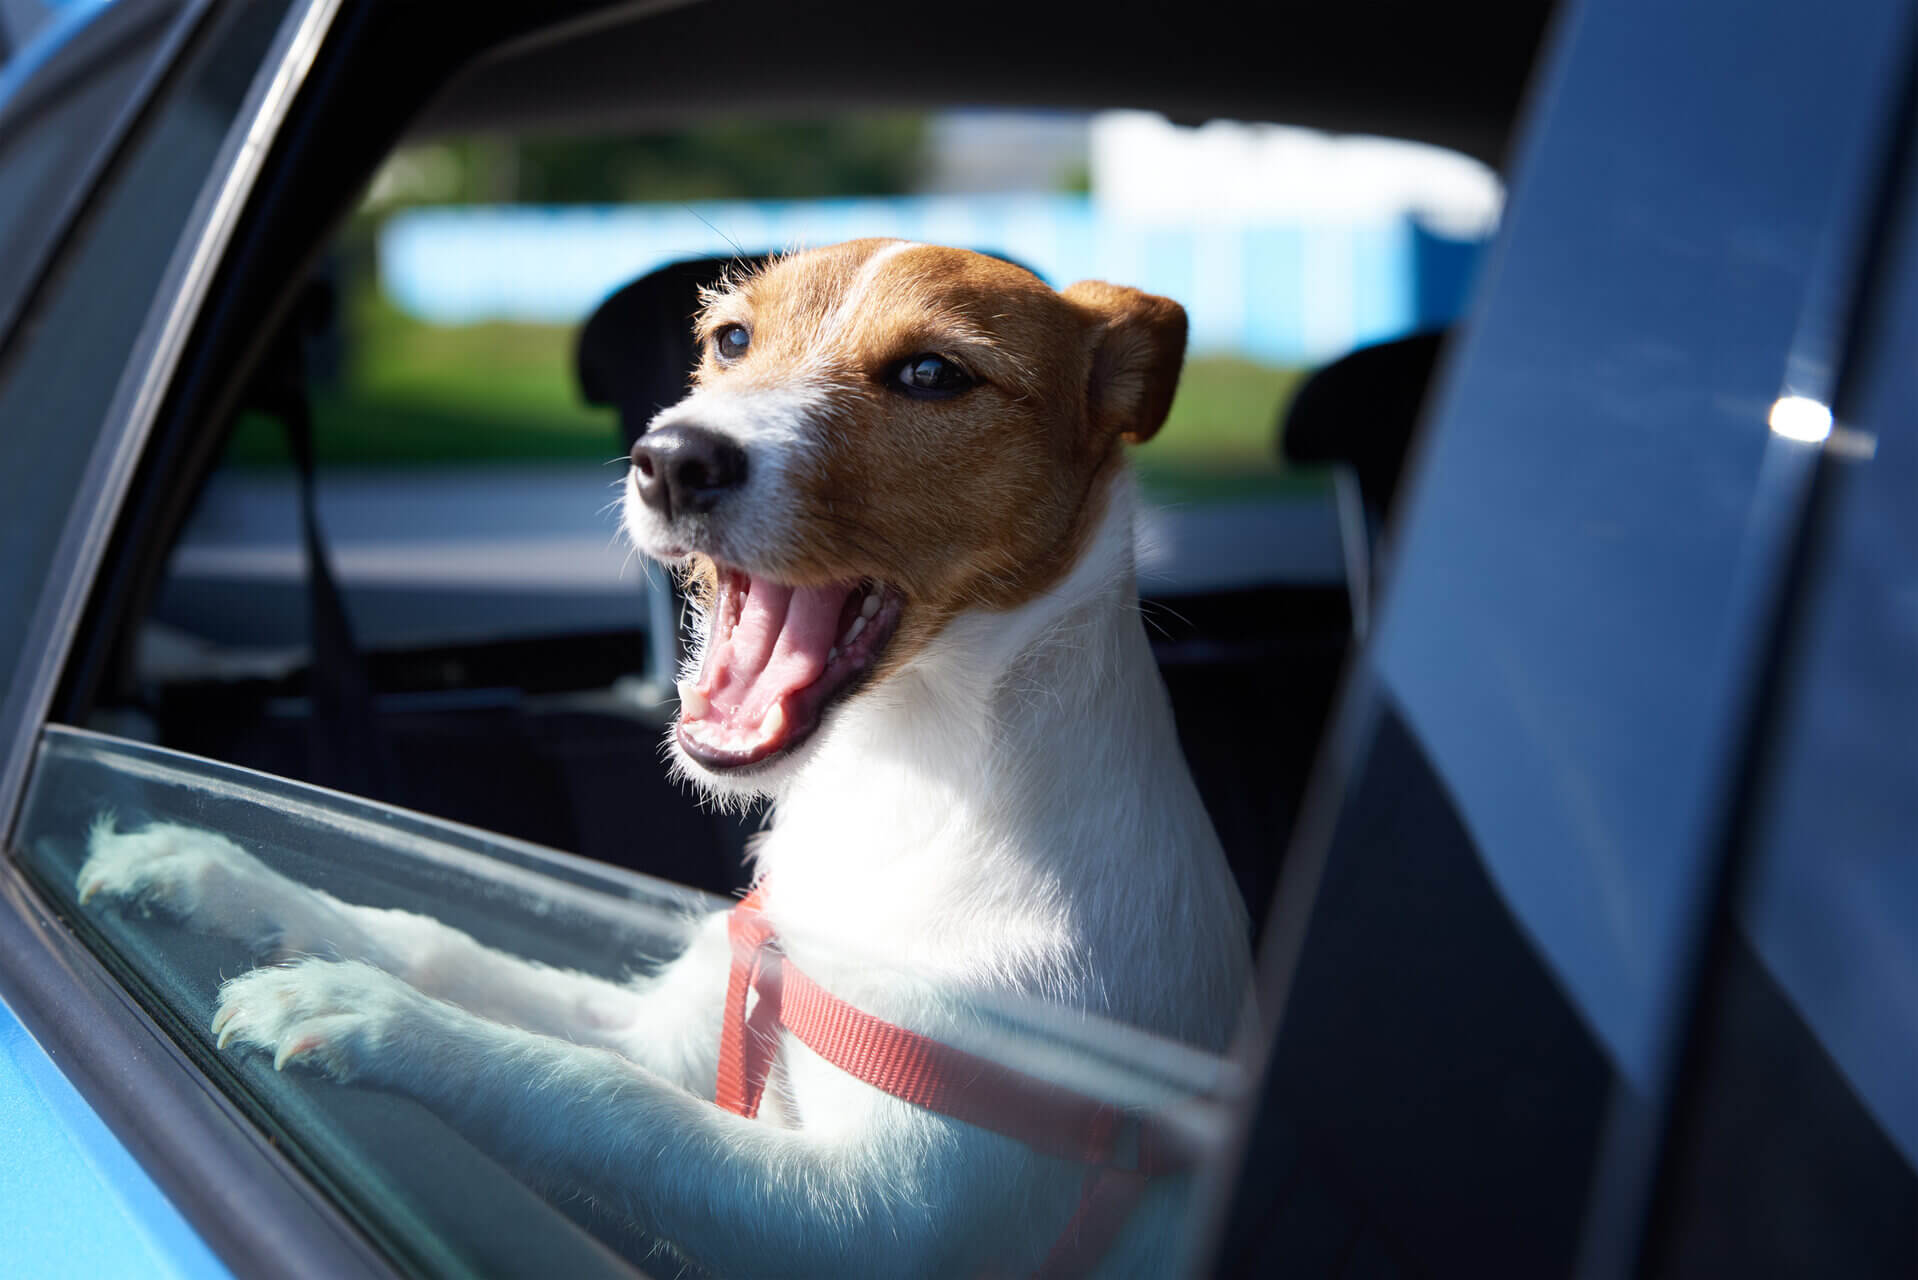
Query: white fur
column 1008, row 815
column 774, row 426
column 855, row 296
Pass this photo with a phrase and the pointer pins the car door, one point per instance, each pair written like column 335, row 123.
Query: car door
column 1486, row 959
column 1540, row 999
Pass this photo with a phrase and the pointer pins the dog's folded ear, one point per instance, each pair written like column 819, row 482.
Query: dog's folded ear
column 1138, row 346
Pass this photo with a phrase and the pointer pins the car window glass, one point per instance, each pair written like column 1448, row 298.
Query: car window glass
column 424, row 1192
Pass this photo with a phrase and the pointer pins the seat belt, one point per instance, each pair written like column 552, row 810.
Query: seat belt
column 345, row 748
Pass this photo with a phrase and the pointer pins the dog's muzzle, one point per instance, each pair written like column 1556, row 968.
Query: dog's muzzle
column 685, row 470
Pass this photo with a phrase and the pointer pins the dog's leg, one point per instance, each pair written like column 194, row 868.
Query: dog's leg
column 670, row 1021
column 742, row 1197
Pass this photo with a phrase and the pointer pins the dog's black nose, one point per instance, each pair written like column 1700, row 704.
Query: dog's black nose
column 684, row 469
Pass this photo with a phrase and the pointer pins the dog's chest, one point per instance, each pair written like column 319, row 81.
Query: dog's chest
column 804, row 1091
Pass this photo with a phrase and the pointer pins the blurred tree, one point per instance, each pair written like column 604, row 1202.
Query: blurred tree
column 730, row 159
column 724, row 159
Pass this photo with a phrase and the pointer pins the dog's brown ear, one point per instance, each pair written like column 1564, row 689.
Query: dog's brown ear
column 1138, row 346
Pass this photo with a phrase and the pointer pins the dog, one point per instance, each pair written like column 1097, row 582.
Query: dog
column 898, row 494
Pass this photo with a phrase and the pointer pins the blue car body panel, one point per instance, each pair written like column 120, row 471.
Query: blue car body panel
column 73, row 1200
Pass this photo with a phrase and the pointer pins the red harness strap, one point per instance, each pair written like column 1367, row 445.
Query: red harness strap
column 1046, row 1117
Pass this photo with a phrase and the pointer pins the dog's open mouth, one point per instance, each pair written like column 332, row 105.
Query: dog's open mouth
column 776, row 658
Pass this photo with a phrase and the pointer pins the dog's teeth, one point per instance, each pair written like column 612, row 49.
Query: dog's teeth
column 692, row 703
column 832, row 656
column 870, row 607
column 774, row 723
column 852, row 632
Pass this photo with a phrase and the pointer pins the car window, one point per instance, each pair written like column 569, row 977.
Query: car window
column 424, row 1192
column 418, row 1189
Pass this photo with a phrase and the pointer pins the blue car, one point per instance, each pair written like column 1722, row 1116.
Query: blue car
column 1563, row 735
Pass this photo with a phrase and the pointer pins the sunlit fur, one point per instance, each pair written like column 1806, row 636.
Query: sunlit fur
column 1000, row 810
column 978, row 502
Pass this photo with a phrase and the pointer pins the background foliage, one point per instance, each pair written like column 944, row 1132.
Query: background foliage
column 402, row 392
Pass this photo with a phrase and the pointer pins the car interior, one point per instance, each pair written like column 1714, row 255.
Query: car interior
column 540, row 738
column 527, row 738
column 443, row 730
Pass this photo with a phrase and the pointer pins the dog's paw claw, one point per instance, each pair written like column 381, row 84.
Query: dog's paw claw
column 162, row 865
column 317, row 1013
column 295, row 1048
column 205, row 880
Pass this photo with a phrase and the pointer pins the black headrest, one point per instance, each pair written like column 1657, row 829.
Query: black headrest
column 1361, row 409
column 636, row 351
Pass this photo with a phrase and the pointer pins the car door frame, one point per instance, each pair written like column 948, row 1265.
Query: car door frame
column 216, row 1167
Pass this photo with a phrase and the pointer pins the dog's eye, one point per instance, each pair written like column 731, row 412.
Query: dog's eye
column 731, row 342
column 932, row 377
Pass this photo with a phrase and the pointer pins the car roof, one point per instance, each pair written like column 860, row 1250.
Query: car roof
column 1425, row 72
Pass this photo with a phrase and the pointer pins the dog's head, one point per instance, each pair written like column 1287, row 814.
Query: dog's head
column 881, row 435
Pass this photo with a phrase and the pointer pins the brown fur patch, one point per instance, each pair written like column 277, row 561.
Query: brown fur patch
column 982, row 500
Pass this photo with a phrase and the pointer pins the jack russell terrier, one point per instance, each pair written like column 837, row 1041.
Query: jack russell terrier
column 898, row 495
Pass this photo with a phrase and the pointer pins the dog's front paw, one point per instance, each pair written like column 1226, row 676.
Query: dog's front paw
column 343, row 1018
column 200, row 877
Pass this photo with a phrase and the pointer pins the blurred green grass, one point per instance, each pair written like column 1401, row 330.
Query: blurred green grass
column 414, row 394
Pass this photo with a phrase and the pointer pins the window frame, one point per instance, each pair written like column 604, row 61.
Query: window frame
column 217, row 1169
column 122, row 434
column 63, row 52
column 475, row 1216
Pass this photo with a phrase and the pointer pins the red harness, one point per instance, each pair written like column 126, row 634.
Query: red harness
column 1123, row 1149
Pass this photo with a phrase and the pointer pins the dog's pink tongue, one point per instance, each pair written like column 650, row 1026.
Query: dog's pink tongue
column 779, row 645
